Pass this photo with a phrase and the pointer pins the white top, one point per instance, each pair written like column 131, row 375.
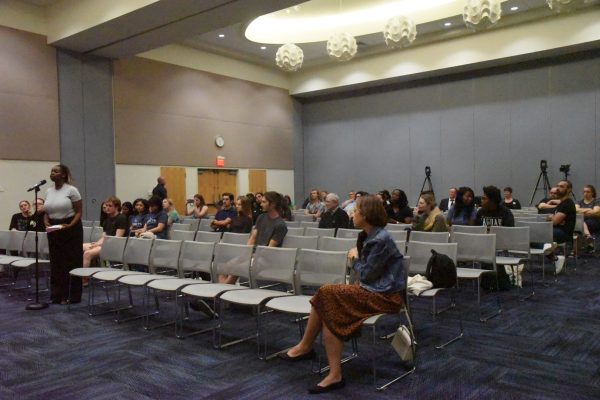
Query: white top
column 59, row 203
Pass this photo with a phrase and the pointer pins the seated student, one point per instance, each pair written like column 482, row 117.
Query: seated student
column 464, row 211
column 199, row 208
column 314, row 207
column 338, row 311
column 492, row 212
column 509, row 201
column 127, row 211
column 286, row 209
column 136, row 220
column 242, row 222
column 589, row 206
column 399, row 212
column 563, row 220
column 38, row 216
column 334, row 216
column 20, row 221
column 428, row 217
column 115, row 224
column 169, row 208
column 155, row 223
column 225, row 214
column 256, row 205
column 548, row 205
column 270, row 229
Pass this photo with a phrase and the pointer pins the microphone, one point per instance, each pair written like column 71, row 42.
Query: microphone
column 37, row 185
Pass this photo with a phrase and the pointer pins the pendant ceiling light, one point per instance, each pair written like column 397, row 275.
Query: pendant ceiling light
column 341, row 46
column 481, row 14
column 562, row 5
column 289, row 57
column 399, row 32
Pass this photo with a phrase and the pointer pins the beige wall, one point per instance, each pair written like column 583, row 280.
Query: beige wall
column 28, row 97
column 174, row 113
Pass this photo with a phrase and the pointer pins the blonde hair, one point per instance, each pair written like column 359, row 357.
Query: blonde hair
column 435, row 211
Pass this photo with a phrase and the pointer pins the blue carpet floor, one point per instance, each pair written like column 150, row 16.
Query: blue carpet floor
column 546, row 347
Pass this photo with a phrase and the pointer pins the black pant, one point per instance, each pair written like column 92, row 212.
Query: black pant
column 66, row 253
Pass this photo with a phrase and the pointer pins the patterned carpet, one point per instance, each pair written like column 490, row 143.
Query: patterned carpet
column 546, row 347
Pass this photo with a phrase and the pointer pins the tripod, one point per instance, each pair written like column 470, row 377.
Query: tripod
column 543, row 176
column 37, row 305
column 427, row 181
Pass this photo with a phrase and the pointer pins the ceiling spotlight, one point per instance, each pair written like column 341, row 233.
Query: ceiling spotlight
column 514, row 8
column 563, row 5
column 263, row 47
column 448, row 24
column 221, row 35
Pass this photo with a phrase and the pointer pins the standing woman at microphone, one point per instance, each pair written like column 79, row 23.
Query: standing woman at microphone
column 65, row 235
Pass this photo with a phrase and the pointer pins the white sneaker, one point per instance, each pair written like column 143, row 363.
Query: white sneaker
column 560, row 264
column 549, row 248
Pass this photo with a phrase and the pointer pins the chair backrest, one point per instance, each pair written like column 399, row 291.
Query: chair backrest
column 335, row 244
column 432, row 237
column 212, row 237
column 181, row 227
column 401, row 245
column 164, row 254
column 309, row 224
column 97, row 233
column 292, row 224
column 399, row 235
column 15, row 241
column 112, row 249
column 29, row 244
column 4, row 239
column 137, row 251
column 420, row 253
column 87, row 234
column 204, row 225
column 397, row 227
column 273, row 264
column 235, row 238
column 468, row 229
column 528, row 219
column 300, row 242
column 319, row 267
column 476, row 247
column 232, row 259
column 196, row 257
column 578, row 223
column 343, row 233
column 511, row 238
column 295, row 231
column 539, row 232
column 87, row 223
column 303, row 218
column 183, row 235
column 311, row 231
column 193, row 222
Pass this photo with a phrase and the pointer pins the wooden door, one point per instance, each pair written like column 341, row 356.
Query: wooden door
column 257, row 180
column 175, row 178
column 212, row 183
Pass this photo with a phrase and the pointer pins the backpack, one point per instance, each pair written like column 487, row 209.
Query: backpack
column 441, row 270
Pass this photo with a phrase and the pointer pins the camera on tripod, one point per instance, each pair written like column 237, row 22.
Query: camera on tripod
column 428, row 171
column 543, row 165
column 565, row 168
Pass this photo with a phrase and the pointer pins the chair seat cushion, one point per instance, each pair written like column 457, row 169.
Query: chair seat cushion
column 510, row 260
column 430, row 292
column 27, row 262
column 114, row 275
column 5, row 260
column 291, row 304
column 252, row 296
column 171, row 285
column 210, row 290
column 142, row 279
column 470, row 273
column 88, row 271
column 372, row 320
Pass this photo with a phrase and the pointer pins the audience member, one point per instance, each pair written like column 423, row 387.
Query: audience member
column 338, row 311
column 589, row 206
column 172, row 213
column 127, row 209
column 199, row 208
column 314, row 207
column 399, row 212
column 136, row 221
column 351, row 199
column 242, row 222
column 492, row 212
column 38, row 216
column 448, row 202
column 334, row 216
column 564, row 214
column 428, row 217
column 225, row 214
column 102, row 213
column 548, row 204
column 21, row 221
column 160, row 189
column 286, row 211
column 509, row 201
column 464, row 211
column 257, row 206
column 155, row 223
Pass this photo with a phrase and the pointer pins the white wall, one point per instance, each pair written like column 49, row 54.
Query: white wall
column 15, row 178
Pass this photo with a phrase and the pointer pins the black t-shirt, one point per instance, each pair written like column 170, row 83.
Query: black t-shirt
column 112, row 224
column 501, row 216
column 19, row 222
column 401, row 215
column 513, row 205
column 567, row 207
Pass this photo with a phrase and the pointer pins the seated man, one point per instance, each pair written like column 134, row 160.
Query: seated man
column 334, row 216
column 547, row 205
column 20, row 221
column 563, row 219
column 115, row 224
column 225, row 215
column 448, row 202
column 492, row 212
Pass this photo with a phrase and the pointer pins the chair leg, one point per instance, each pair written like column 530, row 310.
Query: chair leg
column 460, row 323
column 497, row 312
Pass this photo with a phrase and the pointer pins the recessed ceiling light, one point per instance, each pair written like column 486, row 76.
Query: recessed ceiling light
column 448, row 24
column 221, row 35
column 263, row 47
column 514, row 8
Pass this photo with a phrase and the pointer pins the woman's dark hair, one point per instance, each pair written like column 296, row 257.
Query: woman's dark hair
column 402, row 200
column 459, row 204
column 276, row 199
column 127, row 205
column 201, row 198
column 246, row 209
column 156, row 202
column 592, row 189
column 493, row 194
column 66, row 173
column 144, row 202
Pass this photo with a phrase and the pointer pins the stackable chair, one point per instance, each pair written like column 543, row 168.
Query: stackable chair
column 96, row 233
column 420, row 253
column 273, row 265
column 513, row 247
column 310, row 231
column 477, row 248
column 208, row 237
column 309, row 224
column 300, row 242
column 347, row 233
column 204, row 225
column 539, row 232
column 430, row 237
column 335, row 244
column 182, row 235
column 468, row 229
column 303, row 218
column 235, row 238
column 295, row 231
column 398, row 227
column 194, row 258
column 181, row 227
column 292, row 224
column 399, row 235
column 229, row 259
column 13, row 244
column 26, row 263
column 193, row 222
column 401, row 245
column 87, row 234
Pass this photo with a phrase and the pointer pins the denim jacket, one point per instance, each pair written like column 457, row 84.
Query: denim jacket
column 380, row 265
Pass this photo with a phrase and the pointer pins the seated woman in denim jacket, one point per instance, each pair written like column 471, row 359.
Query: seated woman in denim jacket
column 339, row 310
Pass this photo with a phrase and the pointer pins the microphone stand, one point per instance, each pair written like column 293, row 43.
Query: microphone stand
column 37, row 305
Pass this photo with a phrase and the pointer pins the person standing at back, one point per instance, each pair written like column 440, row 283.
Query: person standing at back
column 160, row 189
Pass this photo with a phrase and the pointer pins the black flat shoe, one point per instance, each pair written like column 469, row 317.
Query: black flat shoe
column 306, row 356
column 324, row 389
